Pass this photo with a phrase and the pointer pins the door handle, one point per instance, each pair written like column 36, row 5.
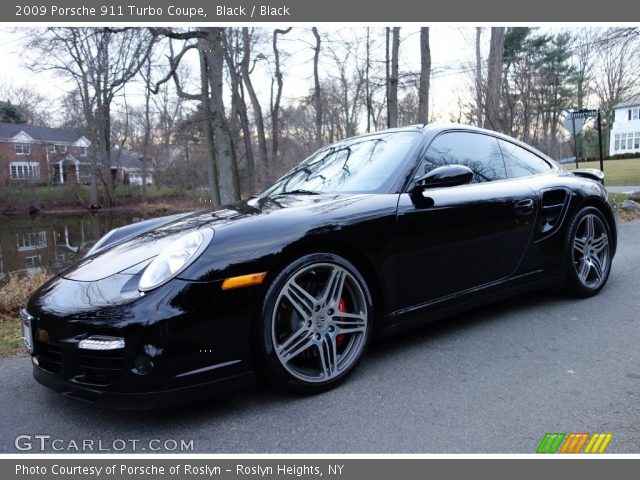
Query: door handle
column 525, row 207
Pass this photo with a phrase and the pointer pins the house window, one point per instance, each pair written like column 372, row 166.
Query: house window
column 31, row 241
column 634, row 114
column 21, row 170
column 32, row 262
column 23, row 149
column 83, row 150
column 51, row 148
column 62, row 148
column 630, row 142
column 636, row 144
column 616, row 143
column 623, row 141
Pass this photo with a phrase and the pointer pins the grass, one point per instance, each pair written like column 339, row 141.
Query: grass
column 13, row 295
column 616, row 172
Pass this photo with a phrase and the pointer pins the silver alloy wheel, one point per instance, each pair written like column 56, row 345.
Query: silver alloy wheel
column 320, row 322
column 591, row 251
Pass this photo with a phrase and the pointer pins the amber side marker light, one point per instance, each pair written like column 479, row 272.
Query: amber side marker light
column 243, row 281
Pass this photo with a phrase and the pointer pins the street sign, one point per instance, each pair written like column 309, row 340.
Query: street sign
column 585, row 113
column 570, row 123
column 574, row 122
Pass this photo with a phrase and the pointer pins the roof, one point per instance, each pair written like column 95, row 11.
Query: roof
column 44, row 134
column 632, row 101
column 126, row 159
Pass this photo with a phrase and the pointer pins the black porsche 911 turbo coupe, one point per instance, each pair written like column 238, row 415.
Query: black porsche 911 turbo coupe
column 367, row 236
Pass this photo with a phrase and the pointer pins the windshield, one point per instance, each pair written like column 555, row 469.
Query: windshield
column 358, row 165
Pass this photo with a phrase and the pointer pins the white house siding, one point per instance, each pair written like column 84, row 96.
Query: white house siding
column 625, row 132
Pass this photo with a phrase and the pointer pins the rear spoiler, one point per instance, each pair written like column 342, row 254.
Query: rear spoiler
column 592, row 173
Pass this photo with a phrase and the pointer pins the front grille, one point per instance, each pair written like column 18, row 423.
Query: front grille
column 95, row 368
column 49, row 356
column 98, row 368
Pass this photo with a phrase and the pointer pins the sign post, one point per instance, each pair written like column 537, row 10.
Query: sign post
column 575, row 139
column 589, row 113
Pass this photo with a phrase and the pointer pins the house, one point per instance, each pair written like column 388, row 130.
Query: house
column 625, row 131
column 126, row 167
column 30, row 153
column 34, row 154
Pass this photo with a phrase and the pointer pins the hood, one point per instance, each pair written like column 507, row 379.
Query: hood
column 133, row 255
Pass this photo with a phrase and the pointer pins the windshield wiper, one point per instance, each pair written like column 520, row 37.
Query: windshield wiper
column 299, row 191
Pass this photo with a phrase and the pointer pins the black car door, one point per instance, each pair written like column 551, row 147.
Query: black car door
column 462, row 236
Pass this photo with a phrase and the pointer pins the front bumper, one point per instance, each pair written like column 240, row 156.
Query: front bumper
column 176, row 344
column 143, row 400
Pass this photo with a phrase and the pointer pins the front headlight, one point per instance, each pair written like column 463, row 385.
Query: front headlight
column 175, row 258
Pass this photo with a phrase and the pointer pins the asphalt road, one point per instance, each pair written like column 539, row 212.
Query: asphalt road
column 491, row 381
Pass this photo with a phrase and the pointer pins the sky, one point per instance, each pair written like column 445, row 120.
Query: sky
column 451, row 48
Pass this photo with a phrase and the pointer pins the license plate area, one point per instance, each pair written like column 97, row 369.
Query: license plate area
column 26, row 322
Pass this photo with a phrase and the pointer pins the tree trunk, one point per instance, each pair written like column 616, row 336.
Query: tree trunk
column 392, row 105
column 425, row 76
column 239, row 111
column 478, row 78
column 228, row 177
column 263, row 156
column 147, row 132
column 207, row 115
column 275, row 108
column 494, row 79
column 367, row 84
column 317, row 99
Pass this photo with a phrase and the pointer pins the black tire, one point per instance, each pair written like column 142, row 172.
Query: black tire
column 587, row 267
column 284, row 328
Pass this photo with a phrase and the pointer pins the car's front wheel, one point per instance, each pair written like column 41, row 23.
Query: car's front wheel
column 588, row 253
column 315, row 323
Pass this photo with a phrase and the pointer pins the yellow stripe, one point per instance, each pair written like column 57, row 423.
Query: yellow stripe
column 607, row 439
column 598, row 442
column 583, row 438
column 591, row 442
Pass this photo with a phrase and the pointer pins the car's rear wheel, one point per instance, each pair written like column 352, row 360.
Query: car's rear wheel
column 315, row 323
column 588, row 253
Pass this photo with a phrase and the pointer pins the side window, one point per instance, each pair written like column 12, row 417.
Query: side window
column 479, row 152
column 521, row 162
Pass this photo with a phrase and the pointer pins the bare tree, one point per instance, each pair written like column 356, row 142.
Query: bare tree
column 317, row 94
column 239, row 112
column 263, row 155
column 618, row 75
column 229, row 181
column 479, row 81
column 33, row 107
column 494, row 78
column 425, row 76
column 392, row 102
column 99, row 61
column 275, row 105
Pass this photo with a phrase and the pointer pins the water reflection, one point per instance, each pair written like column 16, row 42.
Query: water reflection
column 53, row 241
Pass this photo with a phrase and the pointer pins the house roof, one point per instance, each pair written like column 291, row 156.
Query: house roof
column 632, row 101
column 44, row 134
column 126, row 159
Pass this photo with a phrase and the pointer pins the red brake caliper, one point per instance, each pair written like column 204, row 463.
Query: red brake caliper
column 342, row 306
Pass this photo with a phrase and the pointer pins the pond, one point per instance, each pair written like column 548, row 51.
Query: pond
column 53, row 241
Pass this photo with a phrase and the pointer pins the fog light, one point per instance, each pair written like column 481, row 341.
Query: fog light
column 142, row 365
column 101, row 343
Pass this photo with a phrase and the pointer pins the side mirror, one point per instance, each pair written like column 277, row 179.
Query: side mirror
column 445, row 176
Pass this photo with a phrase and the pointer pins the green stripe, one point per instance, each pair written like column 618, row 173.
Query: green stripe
column 558, row 442
column 550, row 443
